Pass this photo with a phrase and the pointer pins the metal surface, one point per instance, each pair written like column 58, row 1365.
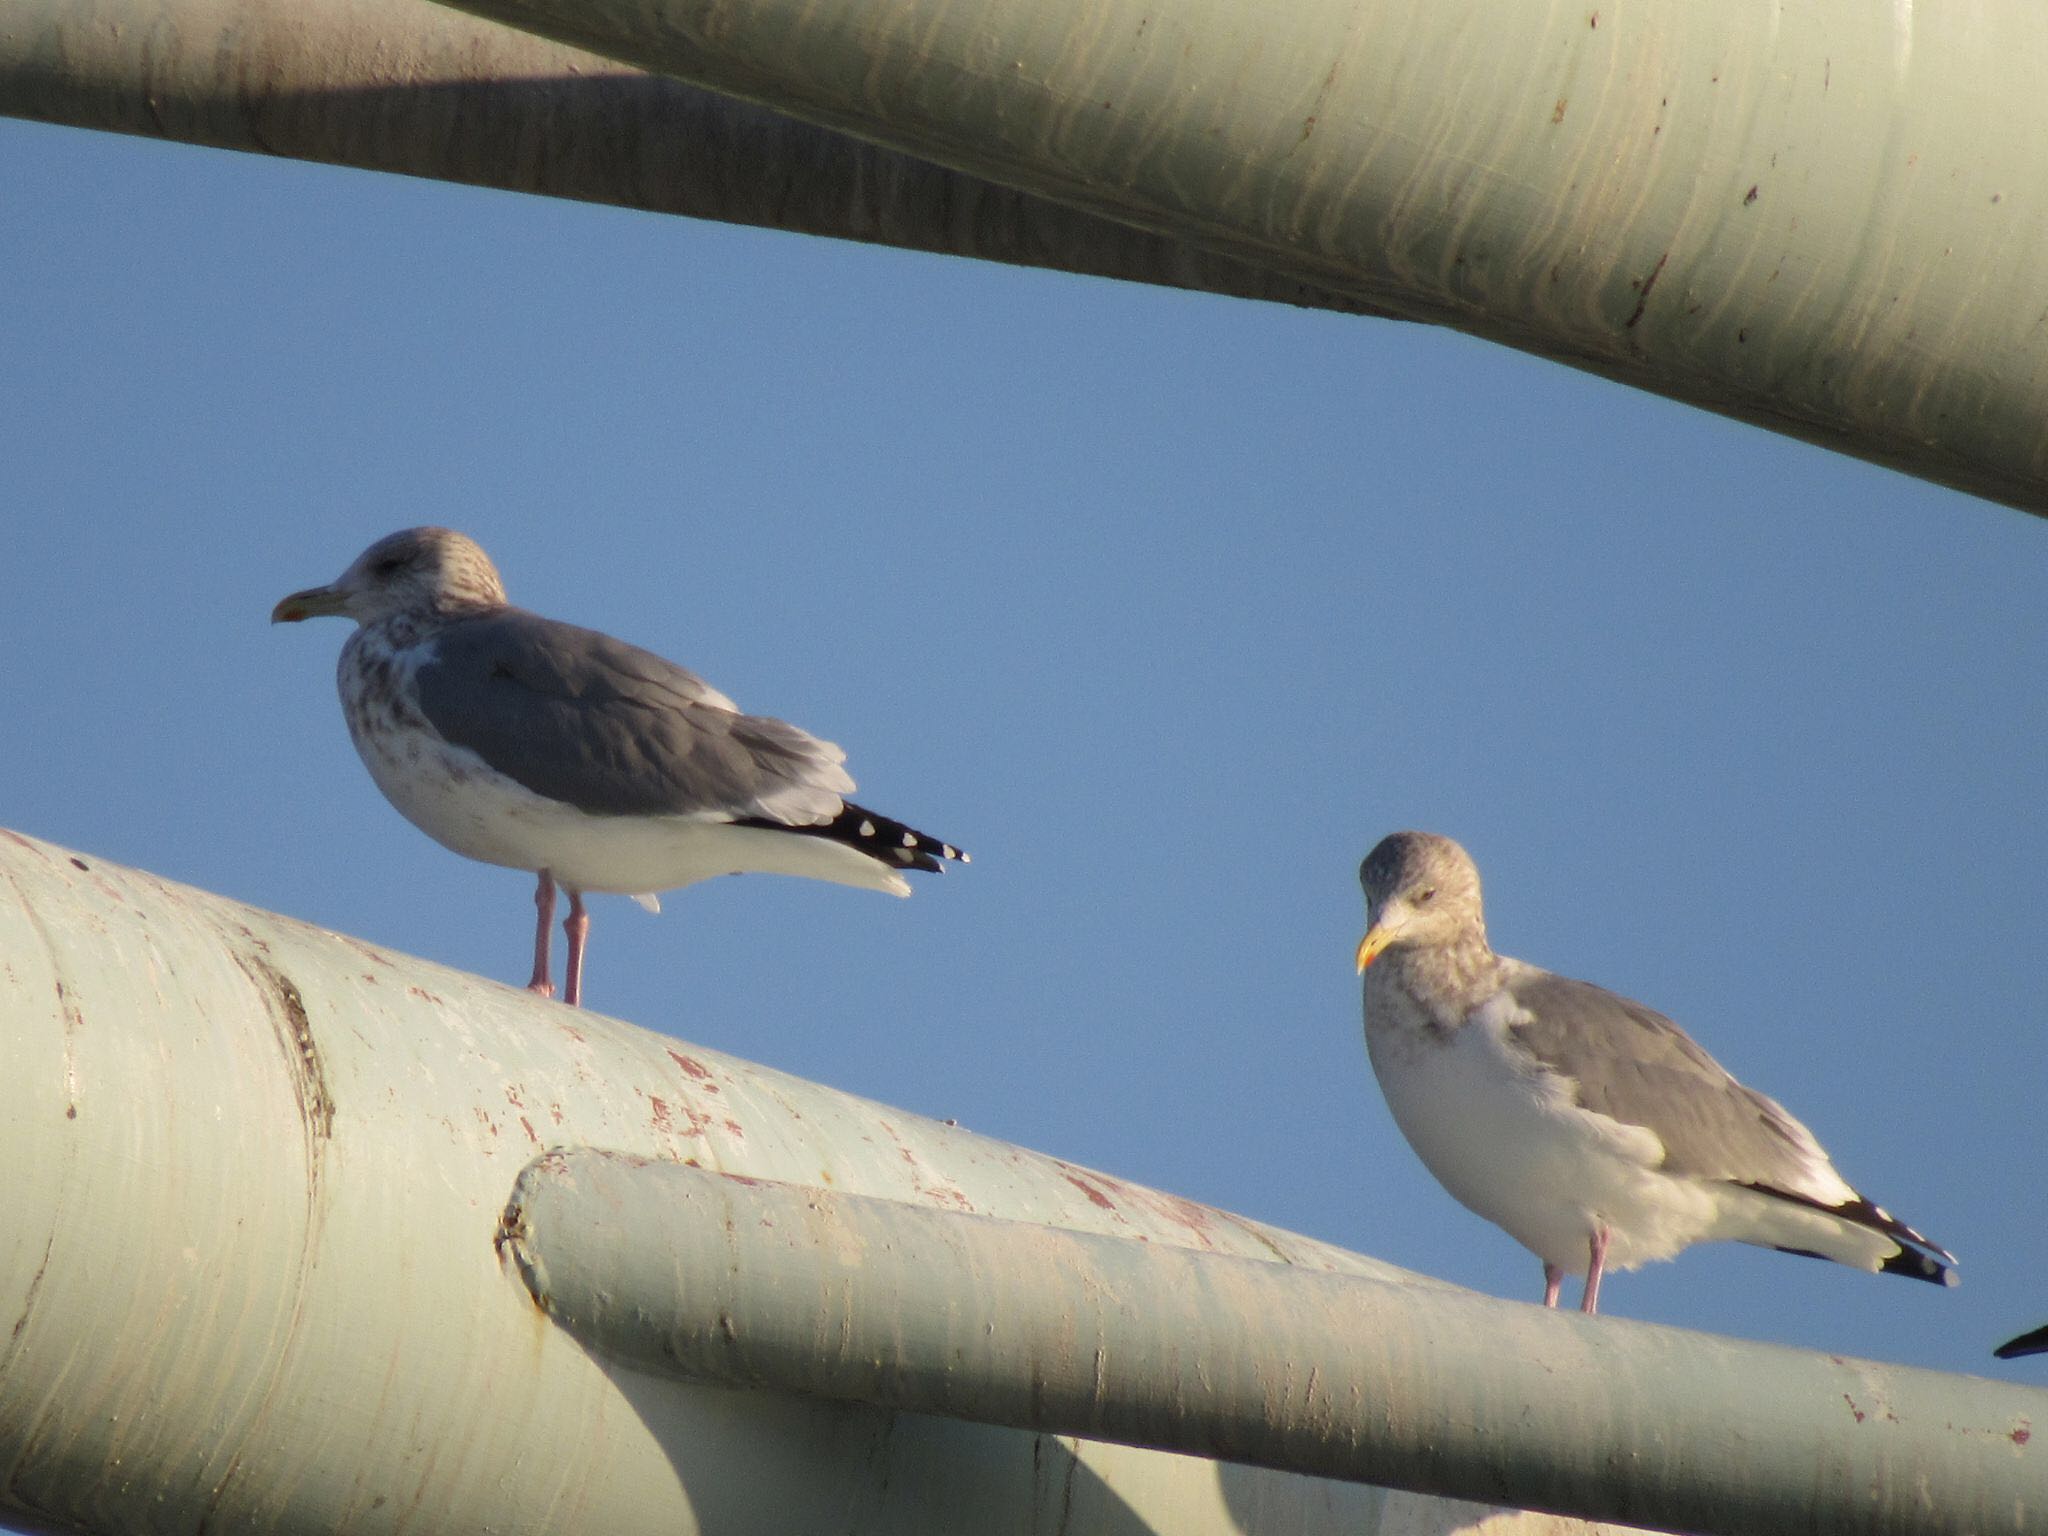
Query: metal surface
column 1792, row 216
column 403, row 85
column 757, row 1284
column 249, row 1279
column 1796, row 215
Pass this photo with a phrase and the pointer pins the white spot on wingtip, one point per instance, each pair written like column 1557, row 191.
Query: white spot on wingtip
column 647, row 901
column 867, row 829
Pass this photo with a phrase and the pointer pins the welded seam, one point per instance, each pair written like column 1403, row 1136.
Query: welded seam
column 514, row 1238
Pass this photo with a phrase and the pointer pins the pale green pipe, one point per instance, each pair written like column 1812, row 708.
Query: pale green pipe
column 757, row 1284
column 1828, row 218
column 249, row 1279
column 401, row 85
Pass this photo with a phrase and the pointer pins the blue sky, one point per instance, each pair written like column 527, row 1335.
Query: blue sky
column 1165, row 606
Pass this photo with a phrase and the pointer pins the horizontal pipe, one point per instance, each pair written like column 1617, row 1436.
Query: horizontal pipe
column 401, row 85
column 750, row 1283
column 250, row 1281
column 1791, row 214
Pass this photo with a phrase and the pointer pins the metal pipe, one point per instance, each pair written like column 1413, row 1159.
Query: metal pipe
column 249, row 1278
column 399, row 85
column 1825, row 219
column 750, row 1283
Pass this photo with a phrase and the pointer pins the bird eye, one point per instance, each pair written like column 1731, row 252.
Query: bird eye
column 390, row 565
column 1425, row 896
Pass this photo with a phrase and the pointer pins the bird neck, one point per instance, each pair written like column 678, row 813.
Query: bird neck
column 400, row 631
column 1446, row 980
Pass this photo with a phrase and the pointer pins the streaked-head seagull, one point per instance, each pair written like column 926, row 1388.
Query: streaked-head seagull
column 521, row 741
column 1592, row 1129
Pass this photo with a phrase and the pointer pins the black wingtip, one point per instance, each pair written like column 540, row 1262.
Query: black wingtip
column 891, row 842
column 2035, row 1343
column 1918, row 1258
column 1915, row 1265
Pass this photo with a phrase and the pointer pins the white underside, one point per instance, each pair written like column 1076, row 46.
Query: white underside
column 450, row 794
column 1508, row 1142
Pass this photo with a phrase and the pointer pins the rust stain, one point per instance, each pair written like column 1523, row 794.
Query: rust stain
column 1643, row 292
column 690, row 1065
column 527, row 1125
column 1094, row 1194
column 1593, row 22
column 2020, row 1436
column 74, row 1021
column 1557, row 112
column 937, row 1192
column 359, row 947
column 1852, row 1407
column 732, row 1127
column 1186, row 1213
column 28, row 1301
column 1750, row 198
column 1315, row 111
column 660, row 1117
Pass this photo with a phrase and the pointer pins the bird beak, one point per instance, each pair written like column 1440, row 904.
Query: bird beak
column 313, row 603
column 1376, row 939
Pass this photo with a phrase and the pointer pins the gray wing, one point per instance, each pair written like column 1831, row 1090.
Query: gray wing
column 611, row 729
column 1634, row 1065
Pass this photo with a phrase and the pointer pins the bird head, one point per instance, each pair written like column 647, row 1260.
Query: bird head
column 418, row 570
column 1420, row 890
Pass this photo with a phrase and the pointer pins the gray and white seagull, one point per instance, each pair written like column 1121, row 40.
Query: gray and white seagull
column 1592, row 1129
column 537, row 745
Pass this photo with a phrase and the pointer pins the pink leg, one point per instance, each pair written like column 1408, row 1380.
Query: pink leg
column 1597, row 1247
column 1553, row 1278
column 577, row 926
column 544, row 899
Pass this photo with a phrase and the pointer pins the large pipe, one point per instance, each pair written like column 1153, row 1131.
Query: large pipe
column 401, row 85
column 1794, row 217
column 249, row 1278
column 1826, row 218
column 755, row 1284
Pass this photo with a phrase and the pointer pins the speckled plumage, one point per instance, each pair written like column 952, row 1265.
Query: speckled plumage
column 1590, row 1128
column 525, row 742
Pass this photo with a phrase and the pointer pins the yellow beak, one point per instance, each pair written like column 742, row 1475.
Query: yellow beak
column 1375, row 940
column 314, row 602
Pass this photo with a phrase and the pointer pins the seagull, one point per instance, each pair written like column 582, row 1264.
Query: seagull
column 2034, row 1343
column 1588, row 1127
column 525, row 742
